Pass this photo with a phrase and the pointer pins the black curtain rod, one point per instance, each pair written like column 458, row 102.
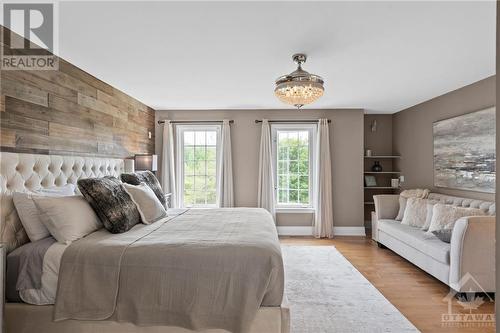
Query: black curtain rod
column 194, row 121
column 315, row 121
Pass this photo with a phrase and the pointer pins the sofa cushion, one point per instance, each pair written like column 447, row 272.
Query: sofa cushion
column 417, row 239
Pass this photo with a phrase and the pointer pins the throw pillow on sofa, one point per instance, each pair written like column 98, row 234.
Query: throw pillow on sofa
column 428, row 218
column 445, row 216
column 405, row 195
column 415, row 212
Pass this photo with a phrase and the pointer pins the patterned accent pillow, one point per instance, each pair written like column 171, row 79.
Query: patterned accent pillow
column 428, row 219
column 415, row 212
column 111, row 202
column 445, row 216
column 407, row 194
column 136, row 178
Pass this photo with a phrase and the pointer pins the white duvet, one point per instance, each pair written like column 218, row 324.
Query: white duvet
column 50, row 271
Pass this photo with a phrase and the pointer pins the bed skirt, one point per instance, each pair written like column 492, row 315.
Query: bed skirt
column 26, row 318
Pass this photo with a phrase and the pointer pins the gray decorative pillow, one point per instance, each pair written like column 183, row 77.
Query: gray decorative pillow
column 111, row 202
column 443, row 234
column 147, row 177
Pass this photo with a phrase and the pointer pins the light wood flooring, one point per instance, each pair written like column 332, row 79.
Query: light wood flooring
column 416, row 294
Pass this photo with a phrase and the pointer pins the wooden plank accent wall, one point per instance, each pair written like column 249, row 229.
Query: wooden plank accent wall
column 70, row 112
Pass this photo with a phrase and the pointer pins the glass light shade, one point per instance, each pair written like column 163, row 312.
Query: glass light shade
column 298, row 93
column 299, row 87
column 146, row 162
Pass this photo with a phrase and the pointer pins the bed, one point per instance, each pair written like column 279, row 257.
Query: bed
column 233, row 247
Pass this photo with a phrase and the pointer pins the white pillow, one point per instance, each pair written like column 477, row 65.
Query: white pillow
column 405, row 195
column 428, row 218
column 150, row 208
column 65, row 190
column 28, row 213
column 445, row 216
column 415, row 212
column 67, row 218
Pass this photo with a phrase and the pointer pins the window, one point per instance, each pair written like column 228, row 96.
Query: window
column 197, row 156
column 293, row 155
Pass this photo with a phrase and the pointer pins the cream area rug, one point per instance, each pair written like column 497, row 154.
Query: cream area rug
column 328, row 295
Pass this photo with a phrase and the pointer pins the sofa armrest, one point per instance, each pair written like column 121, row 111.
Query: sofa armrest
column 386, row 206
column 472, row 254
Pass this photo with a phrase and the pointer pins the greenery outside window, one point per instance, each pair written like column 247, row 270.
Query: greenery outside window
column 197, row 158
column 294, row 163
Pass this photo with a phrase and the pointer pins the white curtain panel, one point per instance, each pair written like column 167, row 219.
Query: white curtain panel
column 225, row 192
column 265, row 194
column 167, row 173
column 323, row 217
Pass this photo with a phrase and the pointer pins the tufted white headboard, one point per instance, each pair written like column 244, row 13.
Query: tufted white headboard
column 30, row 172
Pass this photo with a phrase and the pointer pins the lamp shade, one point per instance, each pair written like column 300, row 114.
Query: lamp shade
column 129, row 165
column 146, row 162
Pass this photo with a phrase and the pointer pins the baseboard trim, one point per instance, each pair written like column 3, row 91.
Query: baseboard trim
column 349, row 231
column 308, row 231
column 295, row 231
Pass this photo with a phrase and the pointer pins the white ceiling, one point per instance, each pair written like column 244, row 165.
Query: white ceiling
column 380, row 56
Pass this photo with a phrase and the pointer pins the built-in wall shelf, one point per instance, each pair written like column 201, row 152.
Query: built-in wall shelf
column 369, row 203
column 384, row 156
column 382, row 172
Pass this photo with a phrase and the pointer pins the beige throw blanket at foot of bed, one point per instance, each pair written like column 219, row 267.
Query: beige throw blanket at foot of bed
column 207, row 268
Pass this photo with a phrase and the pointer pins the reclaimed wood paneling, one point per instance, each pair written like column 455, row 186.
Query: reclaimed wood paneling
column 69, row 111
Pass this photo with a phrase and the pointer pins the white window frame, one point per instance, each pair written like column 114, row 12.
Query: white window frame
column 312, row 129
column 180, row 129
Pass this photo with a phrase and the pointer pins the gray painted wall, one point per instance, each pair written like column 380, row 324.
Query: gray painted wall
column 346, row 135
column 412, row 133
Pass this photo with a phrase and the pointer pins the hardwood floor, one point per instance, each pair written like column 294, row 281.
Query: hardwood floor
column 416, row 294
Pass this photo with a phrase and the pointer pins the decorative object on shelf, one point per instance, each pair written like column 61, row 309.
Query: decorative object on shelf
column 395, row 182
column 376, row 167
column 464, row 151
column 370, row 181
column 374, row 126
column 368, row 152
column 146, row 162
column 299, row 87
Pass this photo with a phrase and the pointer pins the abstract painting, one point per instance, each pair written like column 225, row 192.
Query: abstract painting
column 464, row 152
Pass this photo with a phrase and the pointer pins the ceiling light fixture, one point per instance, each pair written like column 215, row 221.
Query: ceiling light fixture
column 299, row 87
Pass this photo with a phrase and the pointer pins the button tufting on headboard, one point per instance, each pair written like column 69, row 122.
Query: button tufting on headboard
column 30, row 172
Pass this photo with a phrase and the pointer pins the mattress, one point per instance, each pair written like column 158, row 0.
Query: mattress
column 46, row 293
column 207, row 268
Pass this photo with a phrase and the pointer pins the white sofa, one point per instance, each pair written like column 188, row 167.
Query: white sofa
column 466, row 265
